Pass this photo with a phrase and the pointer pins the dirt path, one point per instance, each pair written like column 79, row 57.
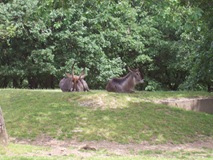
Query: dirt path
column 71, row 147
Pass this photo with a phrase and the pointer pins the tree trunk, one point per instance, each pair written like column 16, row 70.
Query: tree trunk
column 210, row 88
column 3, row 132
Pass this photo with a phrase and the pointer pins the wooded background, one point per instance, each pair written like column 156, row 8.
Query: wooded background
column 170, row 41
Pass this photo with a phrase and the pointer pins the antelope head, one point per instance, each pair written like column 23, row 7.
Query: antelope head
column 137, row 75
column 76, row 79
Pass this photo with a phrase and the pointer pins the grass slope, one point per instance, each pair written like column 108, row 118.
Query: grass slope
column 99, row 115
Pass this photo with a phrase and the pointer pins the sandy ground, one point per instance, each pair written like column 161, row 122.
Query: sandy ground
column 72, row 147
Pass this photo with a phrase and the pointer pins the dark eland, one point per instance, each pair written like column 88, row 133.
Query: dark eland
column 126, row 83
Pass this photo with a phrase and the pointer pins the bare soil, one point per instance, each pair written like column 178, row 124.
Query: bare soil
column 73, row 147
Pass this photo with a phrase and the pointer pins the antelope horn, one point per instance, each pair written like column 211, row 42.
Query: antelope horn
column 73, row 69
column 73, row 77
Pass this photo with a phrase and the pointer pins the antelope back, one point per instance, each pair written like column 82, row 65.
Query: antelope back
column 82, row 85
column 66, row 84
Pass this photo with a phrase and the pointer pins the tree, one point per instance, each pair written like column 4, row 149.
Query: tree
column 3, row 131
column 201, row 61
column 167, row 40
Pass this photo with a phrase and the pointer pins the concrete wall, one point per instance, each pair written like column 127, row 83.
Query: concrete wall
column 195, row 104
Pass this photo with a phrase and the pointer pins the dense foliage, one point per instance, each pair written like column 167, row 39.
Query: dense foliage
column 170, row 41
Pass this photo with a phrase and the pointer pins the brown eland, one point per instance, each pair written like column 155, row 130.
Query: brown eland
column 73, row 82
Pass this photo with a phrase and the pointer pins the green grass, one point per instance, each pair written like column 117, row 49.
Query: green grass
column 99, row 115
column 18, row 149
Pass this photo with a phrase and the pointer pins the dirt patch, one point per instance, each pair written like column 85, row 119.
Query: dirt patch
column 103, row 101
column 73, row 147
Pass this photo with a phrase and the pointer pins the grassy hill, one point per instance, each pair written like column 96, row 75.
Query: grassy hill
column 99, row 115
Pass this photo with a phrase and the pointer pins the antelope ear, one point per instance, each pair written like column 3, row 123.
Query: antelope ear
column 130, row 70
column 82, row 75
column 68, row 75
